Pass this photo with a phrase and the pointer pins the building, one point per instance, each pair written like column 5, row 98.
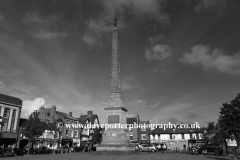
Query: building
column 10, row 111
column 176, row 138
column 87, row 132
column 144, row 132
column 69, row 136
column 133, row 132
column 49, row 138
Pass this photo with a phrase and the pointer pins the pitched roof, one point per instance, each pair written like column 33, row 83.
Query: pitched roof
column 90, row 118
column 10, row 100
column 65, row 115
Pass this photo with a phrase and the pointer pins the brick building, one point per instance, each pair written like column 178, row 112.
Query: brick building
column 87, row 133
column 10, row 111
column 69, row 136
column 133, row 132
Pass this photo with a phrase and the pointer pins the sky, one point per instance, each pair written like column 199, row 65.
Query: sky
column 180, row 59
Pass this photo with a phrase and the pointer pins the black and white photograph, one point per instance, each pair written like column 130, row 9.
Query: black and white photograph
column 120, row 79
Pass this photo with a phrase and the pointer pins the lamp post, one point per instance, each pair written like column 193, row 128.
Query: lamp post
column 1, row 123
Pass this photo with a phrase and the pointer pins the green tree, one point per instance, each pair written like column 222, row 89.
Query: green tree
column 34, row 128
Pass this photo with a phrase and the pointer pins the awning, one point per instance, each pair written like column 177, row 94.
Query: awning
column 8, row 140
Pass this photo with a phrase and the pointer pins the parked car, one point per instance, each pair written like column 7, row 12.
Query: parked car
column 147, row 147
column 61, row 150
column 213, row 148
column 7, row 153
column 195, row 149
column 159, row 147
column 20, row 151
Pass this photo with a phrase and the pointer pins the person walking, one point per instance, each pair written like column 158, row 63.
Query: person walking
column 89, row 147
column 199, row 150
column 184, row 147
column 162, row 147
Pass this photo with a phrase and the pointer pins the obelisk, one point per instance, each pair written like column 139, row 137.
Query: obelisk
column 115, row 139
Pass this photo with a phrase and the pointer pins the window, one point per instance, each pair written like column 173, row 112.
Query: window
column 170, row 135
column 143, row 128
column 4, row 127
column 66, row 132
column 191, row 137
column 183, row 136
column 131, row 138
column 48, row 114
column 197, row 136
column 144, row 136
column 6, row 113
column 76, row 133
column 71, row 133
column 13, row 118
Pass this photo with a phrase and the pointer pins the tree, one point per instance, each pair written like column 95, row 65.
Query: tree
column 34, row 128
column 1, row 124
column 96, row 136
column 229, row 119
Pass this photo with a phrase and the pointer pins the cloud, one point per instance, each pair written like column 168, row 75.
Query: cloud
column 47, row 35
column 157, row 104
column 126, row 84
column 169, row 119
column 202, row 56
column 2, row 22
column 138, row 103
column 155, row 70
column 207, row 4
column 138, row 9
column 192, row 116
column 89, row 39
column 34, row 17
column 9, row 72
column 30, row 106
column 157, row 50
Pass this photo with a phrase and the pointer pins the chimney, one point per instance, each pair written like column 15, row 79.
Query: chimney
column 89, row 113
column 70, row 114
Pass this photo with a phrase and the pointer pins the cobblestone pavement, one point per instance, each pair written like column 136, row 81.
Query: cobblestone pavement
column 141, row 156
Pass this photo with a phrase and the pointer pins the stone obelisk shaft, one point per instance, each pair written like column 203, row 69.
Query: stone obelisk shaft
column 115, row 96
column 115, row 72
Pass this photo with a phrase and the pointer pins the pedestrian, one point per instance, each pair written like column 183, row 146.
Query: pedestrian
column 161, row 147
column 184, row 147
column 199, row 149
column 89, row 147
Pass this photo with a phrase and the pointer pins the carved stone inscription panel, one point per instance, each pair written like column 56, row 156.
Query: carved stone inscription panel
column 113, row 119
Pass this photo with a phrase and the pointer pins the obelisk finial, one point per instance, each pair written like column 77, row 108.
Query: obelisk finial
column 115, row 22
